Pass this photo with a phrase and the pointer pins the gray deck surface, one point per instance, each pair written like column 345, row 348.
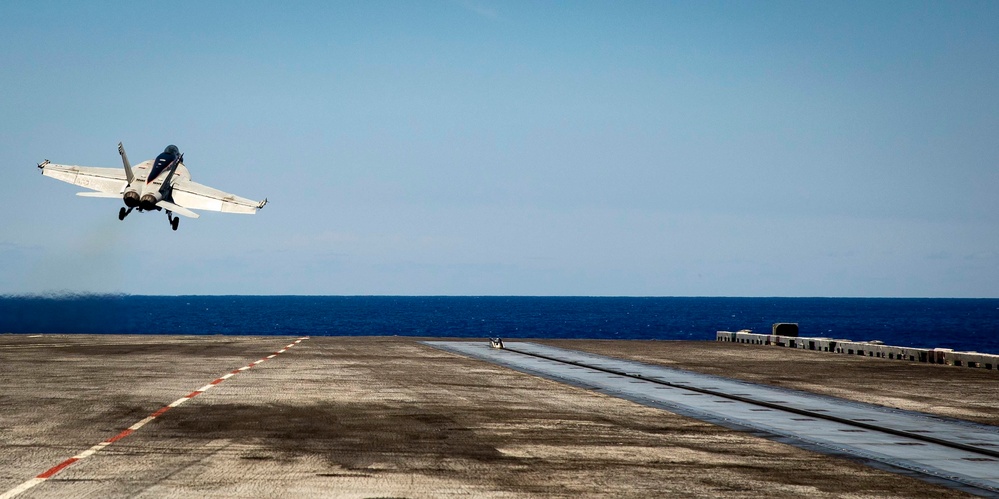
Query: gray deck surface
column 920, row 456
column 83, row 416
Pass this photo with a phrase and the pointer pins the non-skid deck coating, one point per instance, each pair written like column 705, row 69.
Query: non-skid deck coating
column 379, row 417
column 643, row 383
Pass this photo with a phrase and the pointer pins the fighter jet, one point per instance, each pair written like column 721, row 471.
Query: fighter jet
column 157, row 184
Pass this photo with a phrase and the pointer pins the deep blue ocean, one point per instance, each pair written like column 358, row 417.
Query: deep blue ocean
column 963, row 324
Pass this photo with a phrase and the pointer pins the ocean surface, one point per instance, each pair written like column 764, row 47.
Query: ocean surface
column 961, row 324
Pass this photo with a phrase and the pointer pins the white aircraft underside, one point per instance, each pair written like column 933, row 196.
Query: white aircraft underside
column 161, row 183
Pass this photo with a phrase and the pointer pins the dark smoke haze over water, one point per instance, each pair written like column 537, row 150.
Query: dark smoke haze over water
column 962, row 324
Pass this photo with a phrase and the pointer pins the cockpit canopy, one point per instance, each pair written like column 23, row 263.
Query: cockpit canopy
column 165, row 160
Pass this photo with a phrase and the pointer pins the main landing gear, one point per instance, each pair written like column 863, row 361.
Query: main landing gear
column 174, row 221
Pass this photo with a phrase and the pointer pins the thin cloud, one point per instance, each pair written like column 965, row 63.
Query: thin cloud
column 480, row 9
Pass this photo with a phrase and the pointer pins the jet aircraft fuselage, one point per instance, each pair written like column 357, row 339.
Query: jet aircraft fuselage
column 151, row 184
column 163, row 183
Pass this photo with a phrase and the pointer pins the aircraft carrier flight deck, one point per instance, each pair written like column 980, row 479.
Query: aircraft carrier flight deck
column 238, row 416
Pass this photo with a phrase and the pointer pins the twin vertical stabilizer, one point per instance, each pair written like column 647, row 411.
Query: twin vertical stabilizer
column 128, row 166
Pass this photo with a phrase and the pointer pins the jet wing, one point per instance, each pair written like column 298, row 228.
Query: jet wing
column 106, row 180
column 195, row 196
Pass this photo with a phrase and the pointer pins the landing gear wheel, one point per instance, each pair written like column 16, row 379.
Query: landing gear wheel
column 121, row 213
column 174, row 221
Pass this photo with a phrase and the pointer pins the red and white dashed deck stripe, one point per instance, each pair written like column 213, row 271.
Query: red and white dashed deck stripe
column 128, row 431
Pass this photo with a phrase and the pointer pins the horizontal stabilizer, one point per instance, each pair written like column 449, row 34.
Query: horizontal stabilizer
column 96, row 194
column 180, row 210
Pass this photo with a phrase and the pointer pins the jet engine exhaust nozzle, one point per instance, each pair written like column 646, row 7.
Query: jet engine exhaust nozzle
column 131, row 199
column 148, row 202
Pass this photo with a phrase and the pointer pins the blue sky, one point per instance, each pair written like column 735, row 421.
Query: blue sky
column 511, row 148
